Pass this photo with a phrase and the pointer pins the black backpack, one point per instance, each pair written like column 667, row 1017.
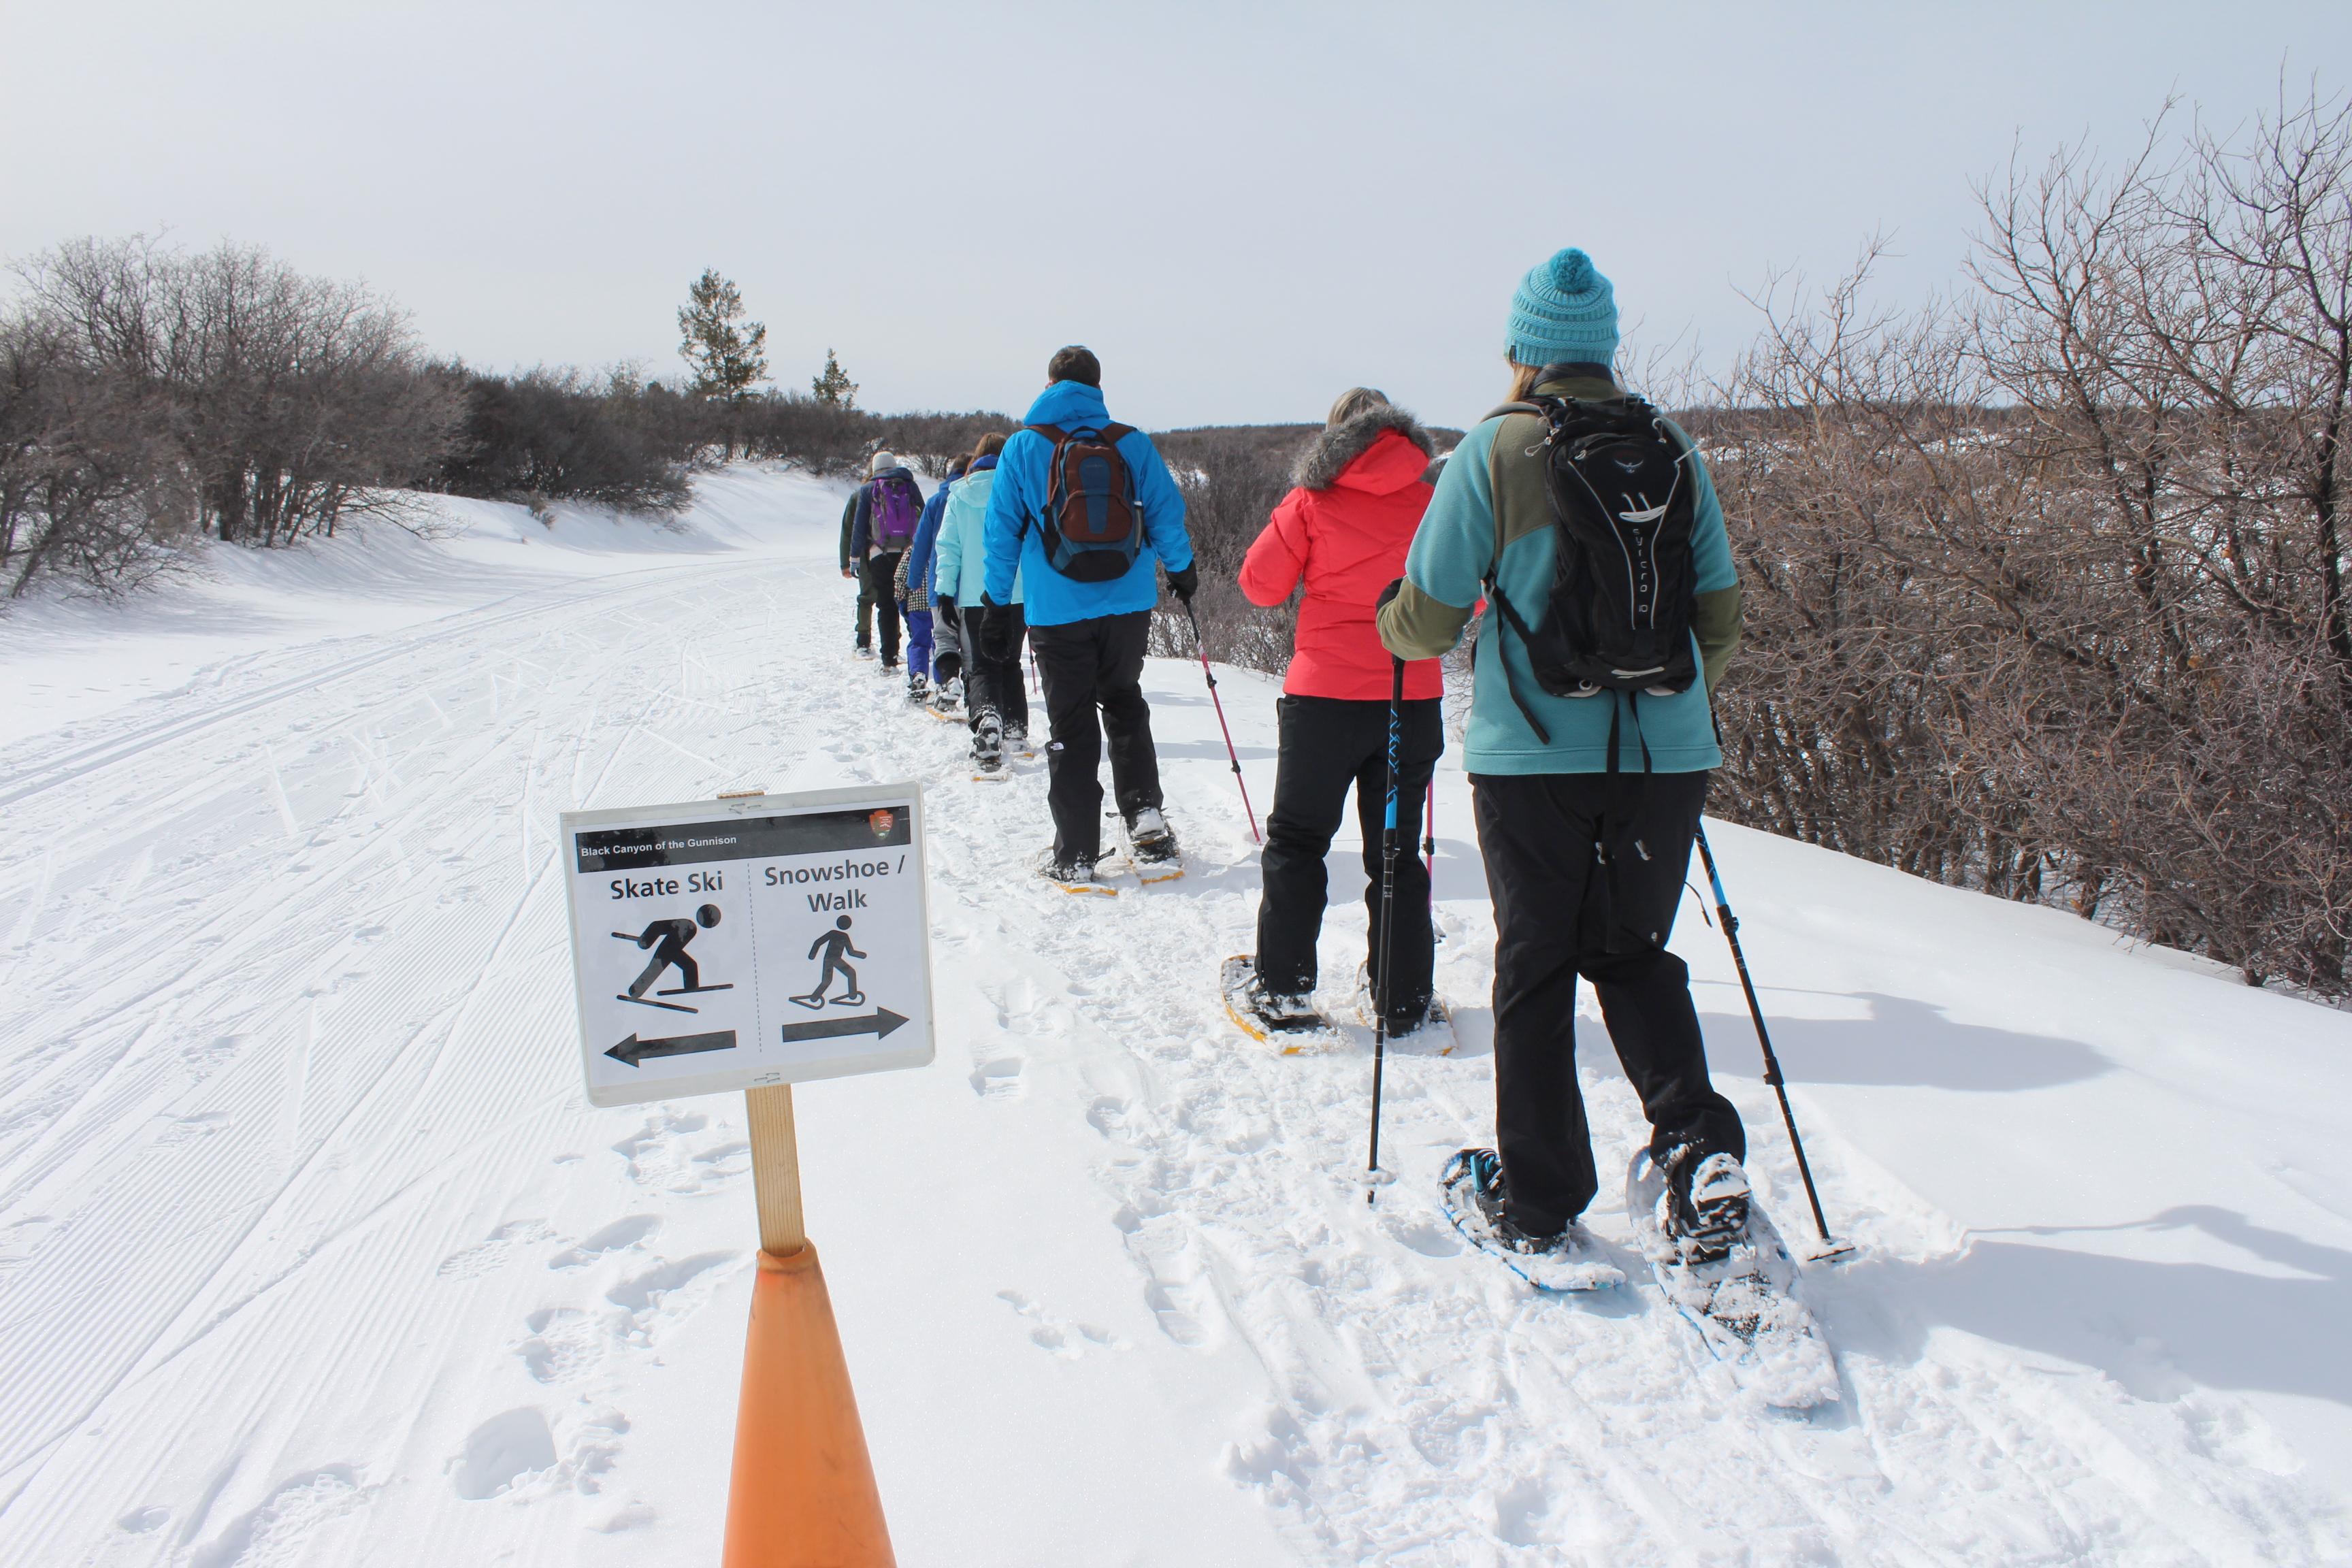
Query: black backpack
column 1094, row 520
column 1623, row 586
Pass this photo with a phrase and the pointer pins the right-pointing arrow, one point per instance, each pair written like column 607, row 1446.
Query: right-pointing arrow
column 878, row 1023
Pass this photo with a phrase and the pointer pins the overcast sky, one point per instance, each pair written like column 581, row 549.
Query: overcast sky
column 1244, row 209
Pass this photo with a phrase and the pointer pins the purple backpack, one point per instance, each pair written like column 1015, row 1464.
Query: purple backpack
column 895, row 511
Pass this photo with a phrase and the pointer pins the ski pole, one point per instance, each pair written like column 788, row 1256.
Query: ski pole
column 1388, row 921
column 1234, row 756
column 1771, row 1063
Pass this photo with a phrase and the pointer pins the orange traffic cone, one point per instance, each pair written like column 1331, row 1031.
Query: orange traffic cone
column 803, row 1494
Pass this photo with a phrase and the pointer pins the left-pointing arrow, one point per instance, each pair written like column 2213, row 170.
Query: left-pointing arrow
column 633, row 1050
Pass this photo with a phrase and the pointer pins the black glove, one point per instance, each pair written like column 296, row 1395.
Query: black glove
column 943, row 608
column 1395, row 587
column 1186, row 583
column 995, row 631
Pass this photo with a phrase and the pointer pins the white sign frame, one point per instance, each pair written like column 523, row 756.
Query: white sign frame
column 910, row 1043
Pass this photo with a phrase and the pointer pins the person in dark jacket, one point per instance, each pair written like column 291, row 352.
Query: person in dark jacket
column 1088, row 637
column 1585, row 858
column 1342, row 533
column 883, row 518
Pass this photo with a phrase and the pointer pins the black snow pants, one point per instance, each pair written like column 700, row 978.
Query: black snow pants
column 1087, row 665
column 1328, row 744
column 881, row 587
column 1587, row 873
column 992, row 683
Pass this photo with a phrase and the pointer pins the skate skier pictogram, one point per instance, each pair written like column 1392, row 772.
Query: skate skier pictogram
column 834, row 944
column 668, row 938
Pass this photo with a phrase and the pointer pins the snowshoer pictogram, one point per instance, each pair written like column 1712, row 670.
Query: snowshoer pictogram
column 835, row 946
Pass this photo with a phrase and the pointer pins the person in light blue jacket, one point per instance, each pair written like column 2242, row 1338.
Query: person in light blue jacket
column 1090, row 636
column 1587, row 804
column 995, row 696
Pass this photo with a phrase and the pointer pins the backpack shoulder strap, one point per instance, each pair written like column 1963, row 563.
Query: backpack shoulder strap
column 1052, row 433
column 1115, row 433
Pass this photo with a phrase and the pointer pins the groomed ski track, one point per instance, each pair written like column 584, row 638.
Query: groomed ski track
column 312, row 1251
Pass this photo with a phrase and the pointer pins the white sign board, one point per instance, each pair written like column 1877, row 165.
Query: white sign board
column 727, row 944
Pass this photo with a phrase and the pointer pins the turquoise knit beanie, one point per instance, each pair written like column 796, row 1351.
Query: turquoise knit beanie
column 1564, row 310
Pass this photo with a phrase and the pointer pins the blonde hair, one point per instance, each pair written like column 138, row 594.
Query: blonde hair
column 989, row 445
column 1524, row 379
column 1354, row 401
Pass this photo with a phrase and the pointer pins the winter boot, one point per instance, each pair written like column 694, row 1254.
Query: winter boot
column 865, row 650
column 918, row 686
column 1016, row 739
column 1704, row 1207
column 1072, row 876
column 1281, row 1012
column 1406, row 1015
column 1153, row 841
column 987, row 741
column 1481, row 1172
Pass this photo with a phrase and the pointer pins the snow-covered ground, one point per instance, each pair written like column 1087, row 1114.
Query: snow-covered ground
column 311, row 1250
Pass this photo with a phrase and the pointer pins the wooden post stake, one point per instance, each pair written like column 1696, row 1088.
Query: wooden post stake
column 776, row 1169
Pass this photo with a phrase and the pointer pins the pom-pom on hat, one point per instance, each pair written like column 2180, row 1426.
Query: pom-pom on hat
column 1563, row 309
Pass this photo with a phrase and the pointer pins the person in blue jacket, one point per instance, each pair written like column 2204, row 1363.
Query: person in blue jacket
column 1586, row 806
column 1088, row 637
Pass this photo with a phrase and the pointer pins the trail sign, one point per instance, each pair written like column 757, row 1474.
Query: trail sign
column 736, row 944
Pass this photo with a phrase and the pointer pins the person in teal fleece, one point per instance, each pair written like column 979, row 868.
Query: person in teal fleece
column 1585, row 851
column 1088, row 637
column 996, row 698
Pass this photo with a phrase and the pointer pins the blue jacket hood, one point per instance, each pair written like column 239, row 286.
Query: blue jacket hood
column 1071, row 406
column 982, row 465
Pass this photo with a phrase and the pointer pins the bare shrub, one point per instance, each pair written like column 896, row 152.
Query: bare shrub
column 295, row 401
column 2046, row 586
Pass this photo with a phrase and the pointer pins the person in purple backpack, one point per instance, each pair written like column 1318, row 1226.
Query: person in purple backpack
column 883, row 517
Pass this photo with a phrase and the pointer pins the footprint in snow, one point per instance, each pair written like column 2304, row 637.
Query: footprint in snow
column 1061, row 1336
column 501, row 1452
column 565, row 1344
column 999, row 1080
column 620, row 1233
column 490, row 1255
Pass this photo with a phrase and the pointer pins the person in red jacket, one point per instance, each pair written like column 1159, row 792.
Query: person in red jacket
column 1342, row 533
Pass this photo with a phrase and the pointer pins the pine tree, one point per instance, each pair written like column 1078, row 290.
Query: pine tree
column 729, row 355
column 833, row 386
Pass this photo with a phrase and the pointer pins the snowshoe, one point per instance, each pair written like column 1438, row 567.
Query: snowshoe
column 1742, row 1300
column 1264, row 1014
column 1074, row 876
column 1016, row 742
column 918, row 687
column 1474, row 1195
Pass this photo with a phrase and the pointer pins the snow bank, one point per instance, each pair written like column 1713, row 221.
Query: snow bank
column 310, row 1249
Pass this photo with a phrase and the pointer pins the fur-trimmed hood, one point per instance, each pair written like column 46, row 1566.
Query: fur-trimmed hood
column 1327, row 456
